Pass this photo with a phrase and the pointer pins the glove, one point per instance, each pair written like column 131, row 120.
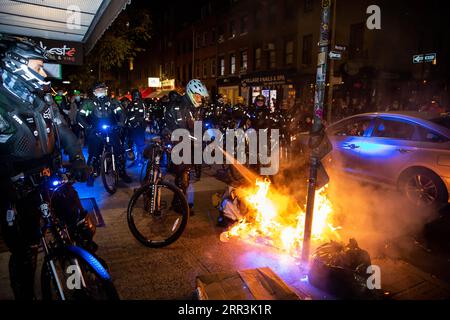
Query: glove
column 80, row 171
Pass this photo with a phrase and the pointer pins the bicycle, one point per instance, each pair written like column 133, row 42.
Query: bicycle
column 158, row 212
column 69, row 272
column 109, row 170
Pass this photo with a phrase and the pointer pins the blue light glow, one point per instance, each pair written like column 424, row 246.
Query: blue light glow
column 105, row 127
column 92, row 261
column 56, row 183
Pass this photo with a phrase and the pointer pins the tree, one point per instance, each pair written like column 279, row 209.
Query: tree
column 125, row 38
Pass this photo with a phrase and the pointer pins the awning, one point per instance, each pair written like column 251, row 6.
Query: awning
column 147, row 92
column 82, row 21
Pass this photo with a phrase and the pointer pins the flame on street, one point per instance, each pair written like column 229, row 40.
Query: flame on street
column 277, row 220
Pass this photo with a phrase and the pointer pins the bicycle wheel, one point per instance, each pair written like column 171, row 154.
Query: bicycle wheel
column 74, row 274
column 160, row 222
column 109, row 174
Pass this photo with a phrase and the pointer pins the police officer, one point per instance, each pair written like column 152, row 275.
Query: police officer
column 103, row 110
column 135, row 122
column 29, row 130
column 180, row 115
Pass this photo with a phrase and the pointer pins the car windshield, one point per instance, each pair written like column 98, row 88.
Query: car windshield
column 443, row 121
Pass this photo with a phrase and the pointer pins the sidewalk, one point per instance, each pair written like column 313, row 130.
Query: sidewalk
column 169, row 273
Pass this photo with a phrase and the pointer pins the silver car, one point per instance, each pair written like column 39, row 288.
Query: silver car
column 406, row 150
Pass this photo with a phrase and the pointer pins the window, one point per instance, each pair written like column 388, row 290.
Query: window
column 307, row 50
column 205, row 69
column 272, row 59
column 394, row 129
column 213, row 36
column 213, row 67
column 221, row 66
column 221, row 34
column 273, row 9
column 232, row 29
column 244, row 24
column 204, row 39
column 232, row 63
column 308, row 5
column 356, row 40
column 359, row 127
column 258, row 53
column 289, row 52
column 290, row 9
column 244, row 61
column 427, row 135
column 197, row 68
column 258, row 18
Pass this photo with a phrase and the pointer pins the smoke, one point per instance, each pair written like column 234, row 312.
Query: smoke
column 373, row 215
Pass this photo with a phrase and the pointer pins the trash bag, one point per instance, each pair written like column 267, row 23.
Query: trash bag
column 341, row 270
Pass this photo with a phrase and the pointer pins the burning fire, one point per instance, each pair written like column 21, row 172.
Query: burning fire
column 276, row 219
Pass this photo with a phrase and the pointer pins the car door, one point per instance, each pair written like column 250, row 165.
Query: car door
column 388, row 150
column 347, row 137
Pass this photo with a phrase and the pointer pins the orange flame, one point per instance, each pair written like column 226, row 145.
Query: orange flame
column 275, row 219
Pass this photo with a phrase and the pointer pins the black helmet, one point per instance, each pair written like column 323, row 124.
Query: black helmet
column 173, row 95
column 99, row 85
column 15, row 53
column 136, row 95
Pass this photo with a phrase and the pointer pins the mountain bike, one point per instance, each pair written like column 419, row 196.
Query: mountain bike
column 69, row 272
column 158, row 212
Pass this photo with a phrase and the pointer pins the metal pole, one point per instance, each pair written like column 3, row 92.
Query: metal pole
column 331, row 88
column 317, row 126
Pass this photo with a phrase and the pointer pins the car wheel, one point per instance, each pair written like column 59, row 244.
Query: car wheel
column 424, row 188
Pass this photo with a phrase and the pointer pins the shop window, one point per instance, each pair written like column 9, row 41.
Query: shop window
column 244, row 61
column 258, row 56
column 289, row 52
column 232, row 63
column 307, row 50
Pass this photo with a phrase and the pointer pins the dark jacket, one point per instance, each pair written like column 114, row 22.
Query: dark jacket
column 29, row 134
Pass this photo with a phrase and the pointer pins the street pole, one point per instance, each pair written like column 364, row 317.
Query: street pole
column 318, row 125
column 331, row 77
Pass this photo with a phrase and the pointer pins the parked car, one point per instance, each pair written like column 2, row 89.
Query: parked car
column 406, row 150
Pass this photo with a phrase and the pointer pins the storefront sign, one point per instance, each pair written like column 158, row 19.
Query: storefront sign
column 168, row 84
column 154, row 82
column 65, row 52
column 264, row 80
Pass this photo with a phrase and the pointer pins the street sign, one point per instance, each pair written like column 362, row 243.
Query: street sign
column 418, row 58
column 340, row 47
column 335, row 55
column 425, row 58
column 430, row 57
